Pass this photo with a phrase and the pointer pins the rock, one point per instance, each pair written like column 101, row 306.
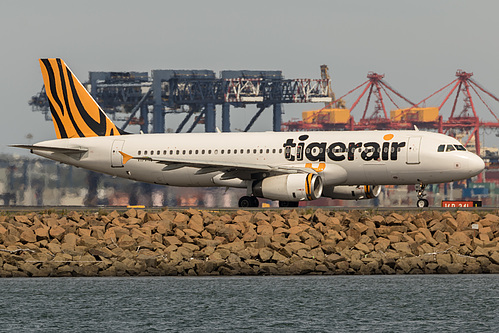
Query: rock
column 90, row 242
column 196, row 223
column 57, row 232
column 28, row 236
column 278, row 257
column 455, row 268
column 494, row 257
column 23, row 219
column 172, row 240
column 180, row 219
column 71, row 239
column 125, row 242
column 480, row 251
column 264, row 217
column 302, row 266
column 459, row 238
column 440, row 237
column 42, row 232
column 362, row 247
column 265, row 254
column 265, row 229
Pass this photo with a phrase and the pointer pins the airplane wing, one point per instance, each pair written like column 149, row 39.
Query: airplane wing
column 75, row 150
column 231, row 170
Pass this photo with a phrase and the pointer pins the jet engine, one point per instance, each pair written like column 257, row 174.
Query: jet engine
column 352, row 192
column 292, row 187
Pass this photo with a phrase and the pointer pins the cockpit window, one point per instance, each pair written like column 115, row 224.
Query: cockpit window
column 450, row 148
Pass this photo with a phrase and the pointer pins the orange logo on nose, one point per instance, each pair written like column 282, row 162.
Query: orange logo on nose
column 388, row 137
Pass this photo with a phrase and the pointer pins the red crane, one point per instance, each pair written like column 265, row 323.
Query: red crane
column 375, row 86
column 376, row 91
column 467, row 119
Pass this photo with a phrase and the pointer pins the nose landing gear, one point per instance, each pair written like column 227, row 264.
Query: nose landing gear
column 422, row 202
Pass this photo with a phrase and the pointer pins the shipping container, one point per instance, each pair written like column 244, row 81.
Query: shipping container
column 415, row 114
column 326, row 116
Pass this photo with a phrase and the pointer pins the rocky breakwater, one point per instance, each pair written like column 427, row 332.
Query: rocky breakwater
column 200, row 242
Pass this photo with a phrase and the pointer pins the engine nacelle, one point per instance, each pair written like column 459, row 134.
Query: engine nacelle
column 352, row 192
column 292, row 187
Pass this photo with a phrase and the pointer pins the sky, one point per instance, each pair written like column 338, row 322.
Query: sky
column 418, row 45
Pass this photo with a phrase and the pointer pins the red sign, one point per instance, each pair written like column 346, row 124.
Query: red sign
column 460, row 204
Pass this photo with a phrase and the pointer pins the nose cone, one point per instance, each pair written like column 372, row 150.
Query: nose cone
column 476, row 165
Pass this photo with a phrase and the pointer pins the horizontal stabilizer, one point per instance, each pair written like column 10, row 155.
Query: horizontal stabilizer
column 61, row 150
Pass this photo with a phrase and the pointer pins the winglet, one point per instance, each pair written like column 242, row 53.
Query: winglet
column 126, row 157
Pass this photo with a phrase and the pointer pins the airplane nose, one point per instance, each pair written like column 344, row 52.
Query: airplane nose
column 476, row 165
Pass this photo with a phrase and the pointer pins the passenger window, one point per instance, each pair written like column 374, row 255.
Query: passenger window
column 280, row 151
column 138, row 152
column 190, row 152
column 450, row 148
column 178, row 152
column 273, row 151
column 254, row 151
column 171, row 152
column 202, row 152
column 441, row 148
column 209, row 151
column 152, row 152
column 242, row 151
column 183, row 152
column 267, row 151
column 158, row 153
column 228, row 151
column 164, row 152
column 235, row 151
column 197, row 151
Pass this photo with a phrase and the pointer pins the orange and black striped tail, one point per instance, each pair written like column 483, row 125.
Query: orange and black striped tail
column 74, row 112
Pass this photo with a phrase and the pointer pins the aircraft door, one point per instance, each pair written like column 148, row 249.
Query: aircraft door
column 116, row 157
column 413, row 147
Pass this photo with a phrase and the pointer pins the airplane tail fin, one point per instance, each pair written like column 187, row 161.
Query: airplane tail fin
column 74, row 112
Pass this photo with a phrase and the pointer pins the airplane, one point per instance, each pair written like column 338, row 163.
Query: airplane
column 286, row 166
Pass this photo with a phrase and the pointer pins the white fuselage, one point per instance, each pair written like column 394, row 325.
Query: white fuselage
column 371, row 157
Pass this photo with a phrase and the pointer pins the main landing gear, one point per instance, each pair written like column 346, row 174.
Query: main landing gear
column 248, row 201
column 422, row 202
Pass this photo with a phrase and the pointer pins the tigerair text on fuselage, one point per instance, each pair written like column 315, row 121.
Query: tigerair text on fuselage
column 339, row 151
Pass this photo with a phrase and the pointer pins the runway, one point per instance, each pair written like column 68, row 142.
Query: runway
column 24, row 209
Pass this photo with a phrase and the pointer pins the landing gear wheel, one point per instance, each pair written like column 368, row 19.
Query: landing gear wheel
column 422, row 203
column 288, row 203
column 248, row 201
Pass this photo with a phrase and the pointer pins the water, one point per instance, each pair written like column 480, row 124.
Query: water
column 424, row 303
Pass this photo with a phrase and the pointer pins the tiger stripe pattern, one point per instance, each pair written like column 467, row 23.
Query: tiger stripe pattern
column 75, row 113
